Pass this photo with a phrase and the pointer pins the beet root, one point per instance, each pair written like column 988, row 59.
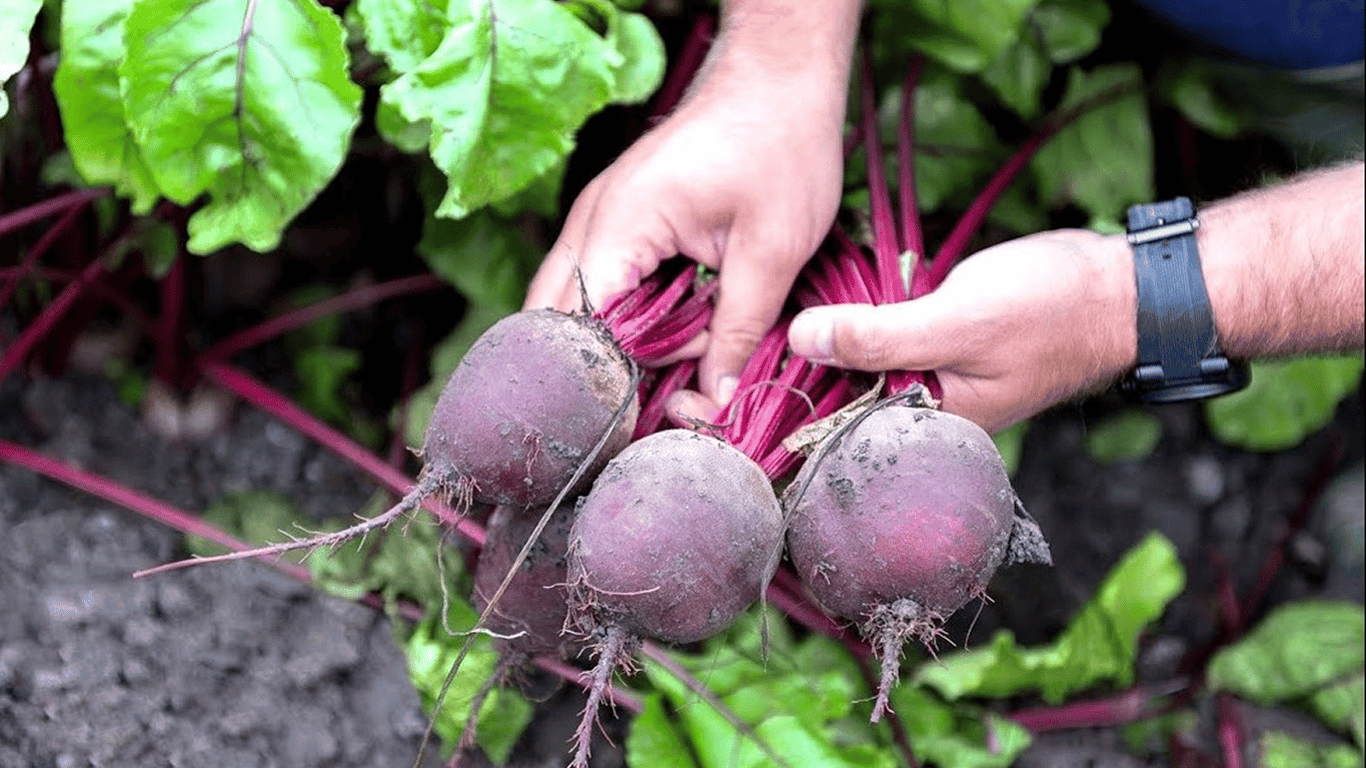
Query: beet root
column 680, row 533
column 901, row 521
column 526, row 406
column 529, row 617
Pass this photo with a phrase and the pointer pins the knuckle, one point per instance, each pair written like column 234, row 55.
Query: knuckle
column 863, row 346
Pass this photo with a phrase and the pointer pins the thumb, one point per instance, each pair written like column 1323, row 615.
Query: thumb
column 905, row 336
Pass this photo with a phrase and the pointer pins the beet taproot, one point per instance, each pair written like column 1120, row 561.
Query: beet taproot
column 526, row 406
column 529, row 618
column 902, row 520
column 680, row 533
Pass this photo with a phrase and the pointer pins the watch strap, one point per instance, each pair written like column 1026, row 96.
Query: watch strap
column 1178, row 346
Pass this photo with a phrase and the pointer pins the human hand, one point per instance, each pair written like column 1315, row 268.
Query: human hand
column 1012, row 330
column 744, row 177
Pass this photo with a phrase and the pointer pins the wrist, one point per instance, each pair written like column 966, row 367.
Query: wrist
column 789, row 41
column 1117, row 289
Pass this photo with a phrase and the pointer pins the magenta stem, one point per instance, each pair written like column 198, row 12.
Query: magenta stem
column 911, row 233
column 277, row 405
column 619, row 697
column 39, row 248
column 886, row 248
column 957, row 241
column 19, row 350
column 166, row 332
column 25, row 216
column 1127, row 707
column 354, row 299
column 1230, row 731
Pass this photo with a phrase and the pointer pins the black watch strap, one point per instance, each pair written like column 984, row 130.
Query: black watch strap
column 1178, row 346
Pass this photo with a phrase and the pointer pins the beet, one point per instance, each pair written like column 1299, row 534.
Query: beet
column 530, row 615
column 902, row 520
column 680, row 534
column 526, row 405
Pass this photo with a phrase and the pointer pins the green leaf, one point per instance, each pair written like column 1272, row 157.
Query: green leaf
column 653, row 740
column 256, row 517
column 485, row 257
column 247, row 102
column 404, row 32
column 947, row 734
column 1103, row 160
column 965, row 35
column 87, row 90
column 322, row 371
column 1019, row 74
column 16, row 22
column 641, row 72
column 790, row 711
column 1097, row 646
column 1009, row 443
column 799, row 699
column 160, row 245
column 1070, row 29
column 502, row 95
column 1309, row 652
column 1281, row 750
column 1131, row 435
column 1286, row 402
column 1192, row 92
column 431, row 653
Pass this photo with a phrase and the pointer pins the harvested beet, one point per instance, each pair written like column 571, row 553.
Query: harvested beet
column 525, row 407
column 901, row 521
column 680, row 534
column 530, row 615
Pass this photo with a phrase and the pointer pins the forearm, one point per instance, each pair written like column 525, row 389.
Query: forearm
column 804, row 47
column 1284, row 265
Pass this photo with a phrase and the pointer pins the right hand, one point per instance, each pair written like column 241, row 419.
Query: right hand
column 744, row 177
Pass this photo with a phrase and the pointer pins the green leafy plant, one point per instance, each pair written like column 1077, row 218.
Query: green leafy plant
column 1286, row 401
column 251, row 107
column 1308, row 654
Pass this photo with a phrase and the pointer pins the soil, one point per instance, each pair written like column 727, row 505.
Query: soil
column 237, row 665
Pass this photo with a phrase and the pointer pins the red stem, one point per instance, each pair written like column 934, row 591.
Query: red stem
column 354, row 299
column 19, row 350
column 277, row 405
column 911, row 233
column 886, row 248
column 1328, row 463
column 1230, row 731
column 25, row 216
column 957, row 241
column 39, row 248
column 1121, row 709
column 166, row 333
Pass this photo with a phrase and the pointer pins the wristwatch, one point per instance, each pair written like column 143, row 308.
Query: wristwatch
column 1178, row 345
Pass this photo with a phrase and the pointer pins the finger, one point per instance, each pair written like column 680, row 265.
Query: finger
column 751, row 292
column 554, row 284
column 910, row 335
column 689, row 409
column 624, row 243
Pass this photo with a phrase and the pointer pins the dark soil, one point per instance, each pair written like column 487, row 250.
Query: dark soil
column 237, row 665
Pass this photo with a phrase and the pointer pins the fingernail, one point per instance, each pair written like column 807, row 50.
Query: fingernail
column 812, row 335
column 725, row 390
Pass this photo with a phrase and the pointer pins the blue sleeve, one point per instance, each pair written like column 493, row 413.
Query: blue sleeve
column 1291, row 34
